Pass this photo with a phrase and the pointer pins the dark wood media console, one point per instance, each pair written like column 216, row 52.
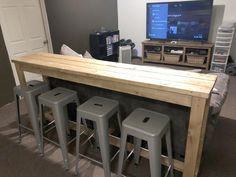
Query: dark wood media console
column 194, row 54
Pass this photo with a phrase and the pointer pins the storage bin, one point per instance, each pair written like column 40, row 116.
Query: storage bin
column 220, row 59
column 172, row 58
column 218, row 67
column 195, row 59
column 153, row 56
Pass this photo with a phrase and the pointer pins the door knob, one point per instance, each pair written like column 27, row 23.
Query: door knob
column 45, row 42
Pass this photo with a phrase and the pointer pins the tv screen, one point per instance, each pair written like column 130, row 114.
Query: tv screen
column 187, row 20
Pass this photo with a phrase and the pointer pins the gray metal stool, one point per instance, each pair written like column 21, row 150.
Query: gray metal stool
column 150, row 126
column 99, row 110
column 30, row 93
column 58, row 99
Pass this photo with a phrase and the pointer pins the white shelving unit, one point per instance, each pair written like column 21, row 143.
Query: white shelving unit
column 222, row 48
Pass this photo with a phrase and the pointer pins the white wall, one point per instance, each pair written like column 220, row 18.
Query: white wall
column 132, row 18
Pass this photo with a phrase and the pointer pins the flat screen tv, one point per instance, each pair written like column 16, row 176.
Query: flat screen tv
column 186, row 20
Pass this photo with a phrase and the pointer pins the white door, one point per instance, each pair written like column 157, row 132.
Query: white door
column 23, row 30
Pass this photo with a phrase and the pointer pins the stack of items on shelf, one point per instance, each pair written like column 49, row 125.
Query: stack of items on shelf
column 193, row 54
column 104, row 45
column 173, row 54
column 222, row 48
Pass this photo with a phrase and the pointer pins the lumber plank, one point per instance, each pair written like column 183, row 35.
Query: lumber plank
column 173, row 83
column 161, row 95
column 129, row 66
column 196, row 132
column 146, row 74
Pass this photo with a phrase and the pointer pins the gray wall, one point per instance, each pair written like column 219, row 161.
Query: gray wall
column 6, row 75
column 71, row 21
column 216, row 20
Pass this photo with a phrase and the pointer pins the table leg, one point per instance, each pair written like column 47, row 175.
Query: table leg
column 196, row 133
column 20, row 74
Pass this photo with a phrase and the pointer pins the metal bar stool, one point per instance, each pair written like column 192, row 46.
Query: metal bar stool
column 98, row 110
column 150, row 126
column 30, row 92
column 58, row 99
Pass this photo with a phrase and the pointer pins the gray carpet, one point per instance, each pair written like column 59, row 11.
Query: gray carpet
column 30, row 156
column 229, row 108
column 18, row 160
column 220, row 158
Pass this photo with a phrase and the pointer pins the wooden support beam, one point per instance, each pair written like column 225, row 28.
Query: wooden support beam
column 196, row 132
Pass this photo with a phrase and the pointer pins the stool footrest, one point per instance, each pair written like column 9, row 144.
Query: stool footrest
column 55, row 143
column 50, row 123
column 98, row 162
column 168, row 170
column 128, row 156
column 87, row 139
column 91, row 159
column 26, row 128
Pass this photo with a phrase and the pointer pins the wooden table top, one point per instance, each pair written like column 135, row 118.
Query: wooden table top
column 157, row 78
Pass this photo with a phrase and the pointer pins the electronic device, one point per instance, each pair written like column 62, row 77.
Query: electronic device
column 104, row 45
column 177, row 51
column 125, row 54
column 187, row 20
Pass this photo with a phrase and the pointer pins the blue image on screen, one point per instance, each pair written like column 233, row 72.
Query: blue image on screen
column 158, row 21
column 187, row 20
column 173, row 29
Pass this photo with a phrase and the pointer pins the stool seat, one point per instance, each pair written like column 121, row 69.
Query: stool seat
column 34, row 84
column 150, row 126
column 147, row 122
column 58, row 95
column 98, row 107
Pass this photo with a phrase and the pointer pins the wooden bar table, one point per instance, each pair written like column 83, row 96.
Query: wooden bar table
column 184, row 88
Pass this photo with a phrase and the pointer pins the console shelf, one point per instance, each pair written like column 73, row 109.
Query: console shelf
column 192, row 54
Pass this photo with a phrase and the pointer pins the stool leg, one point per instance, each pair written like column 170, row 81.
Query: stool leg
column 137, row 149
column 96, row 135
column 83, row 120
column 76, row 101
column 66, row 120
column 122, row 152
column 154, row 146
column 33, row 114
column 41, row 119
column 169, row 150
column 119, row 119
column 58, row 115
column 77, row 143
column 18, row 116
column 103, row 135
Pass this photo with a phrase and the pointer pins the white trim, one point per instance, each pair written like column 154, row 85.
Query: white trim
column 46, row 25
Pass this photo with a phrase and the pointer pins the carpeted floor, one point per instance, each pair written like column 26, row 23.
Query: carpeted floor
column 229, row 108
column 220, row 158
column 18, row 160
column 52, row 158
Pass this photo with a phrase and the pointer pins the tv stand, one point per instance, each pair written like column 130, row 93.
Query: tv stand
column 183, row 53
